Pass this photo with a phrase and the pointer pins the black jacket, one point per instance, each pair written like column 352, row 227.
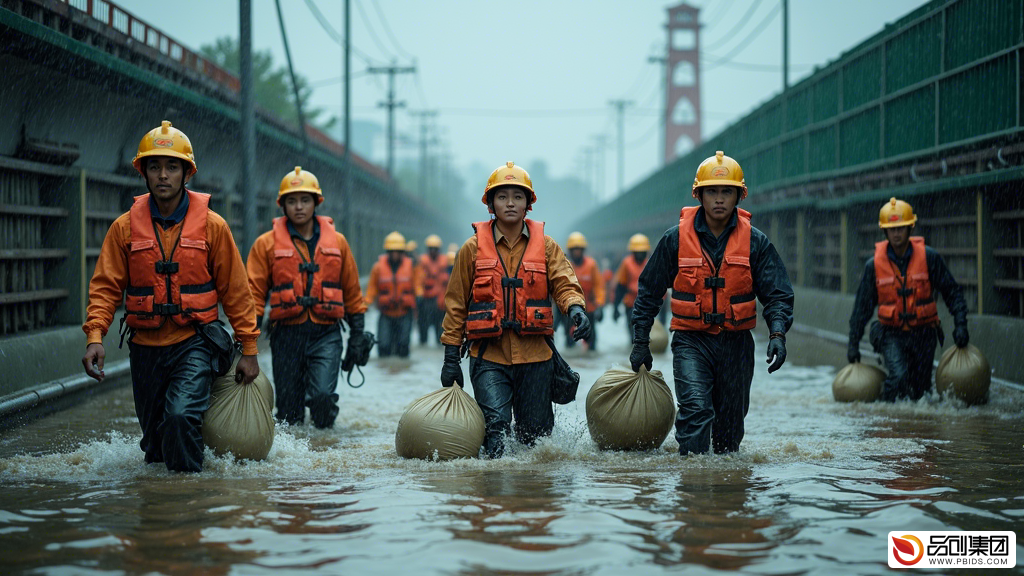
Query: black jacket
column 939, row 276
column 771, row 282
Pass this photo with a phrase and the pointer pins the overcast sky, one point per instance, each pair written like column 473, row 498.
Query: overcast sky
column 527, row 79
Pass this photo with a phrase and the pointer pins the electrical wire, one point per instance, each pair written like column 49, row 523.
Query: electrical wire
column 387, row 30
column 739, row 24
column 757, row 31
column 373, row 34
column 295, row 85
column 334, row 34
column 751, row 67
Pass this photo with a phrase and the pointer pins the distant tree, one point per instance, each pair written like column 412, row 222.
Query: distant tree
column 273, row 89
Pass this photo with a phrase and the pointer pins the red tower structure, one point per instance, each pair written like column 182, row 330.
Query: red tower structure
column 682, row 82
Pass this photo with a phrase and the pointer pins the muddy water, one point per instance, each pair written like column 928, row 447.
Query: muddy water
column 815, row 488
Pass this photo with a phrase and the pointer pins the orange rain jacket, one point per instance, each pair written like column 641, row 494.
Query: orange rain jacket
column 393, row 291
column 224, row 263
column 628, row 275
column 511, row 348
column 262, row 275
column 591, row 281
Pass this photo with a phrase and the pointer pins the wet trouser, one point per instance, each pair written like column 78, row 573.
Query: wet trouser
column 306, row 359
column 591, row 342
column 429, row 316
column 507, row 390
column 393, row 334
column 908, row 358
column 712, row 374
column 171, row 385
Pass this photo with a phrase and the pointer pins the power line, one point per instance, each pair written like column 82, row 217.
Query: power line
column 373, row 35
column 337, row 37
column 723, row 10
column 757, row 31
column 752, row 67
column 387, row 30
column 739, row 23
column 338, row 80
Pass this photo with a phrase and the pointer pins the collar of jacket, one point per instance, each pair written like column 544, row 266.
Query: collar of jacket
column 498, row 235
column 177, row 216
column 311, row 243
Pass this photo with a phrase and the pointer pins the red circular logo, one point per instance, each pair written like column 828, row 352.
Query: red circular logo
column 719, row 172
column 894, row 218
column 296, row 182
column 163, row 142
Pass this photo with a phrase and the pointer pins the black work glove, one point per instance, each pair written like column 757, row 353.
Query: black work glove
column 616, row 314
column 776, row 352
column 641, row 355
column 580, row 321
column 359, row 343
column 853, row 351
column 451, row 371
column 598, row 314
column 960, row 336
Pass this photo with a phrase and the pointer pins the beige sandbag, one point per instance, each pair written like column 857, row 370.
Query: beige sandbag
column 858, row 382
column 445, row 424
column 627, row 410
column 659, row 337
column 965, row 374
column 239, row 419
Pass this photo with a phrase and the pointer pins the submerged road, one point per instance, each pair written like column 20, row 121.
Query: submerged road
column 815, row 488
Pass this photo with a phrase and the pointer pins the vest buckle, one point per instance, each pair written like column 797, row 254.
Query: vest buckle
column 309, row 267
column 514, row 325
column 513, row 282
column 307, row 301
column 165, row 267
column 714, row 318
column 166, row 309
column 905, row 291
column 714, row 282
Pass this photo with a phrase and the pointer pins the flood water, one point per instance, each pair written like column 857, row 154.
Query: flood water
column 815, row 489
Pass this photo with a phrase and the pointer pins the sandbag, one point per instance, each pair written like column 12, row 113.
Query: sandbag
column 445, row 424
column 858, row 382
column 659, row 337
column 965, row 374
column 629, row 410
column 239, row 419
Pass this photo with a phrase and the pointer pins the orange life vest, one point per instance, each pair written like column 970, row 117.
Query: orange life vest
column 299, row 285
column 435, row 275
column 518, row 302
column 904, row 302
column 395, row 292
column 176, row 285
column 633, row 270
column 588, row 276
column 709, row 300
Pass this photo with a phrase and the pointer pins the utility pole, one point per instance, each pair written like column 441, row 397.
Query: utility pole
column 620, row 106
column 391, row 104
column 785, row 45
column 663, row 62
column 248, row 121
column 347, row 95
column 424, row 115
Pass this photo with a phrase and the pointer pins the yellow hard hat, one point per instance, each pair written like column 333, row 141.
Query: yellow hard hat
column 451, row 255
column 410, row 246
column 576, row 240
column 453, row 247
column 394, row 241
column 509, row 175
column 300, row 181
column 720, row 170
column 166, row 141
column 896, row 213
column 638, row 243
column 433, row 241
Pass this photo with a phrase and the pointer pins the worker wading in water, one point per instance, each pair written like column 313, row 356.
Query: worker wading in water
column 171, row 260
column 901, row 279
column 304, row 267
column 716, row 264
column 393, row 289
column 499, row 300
